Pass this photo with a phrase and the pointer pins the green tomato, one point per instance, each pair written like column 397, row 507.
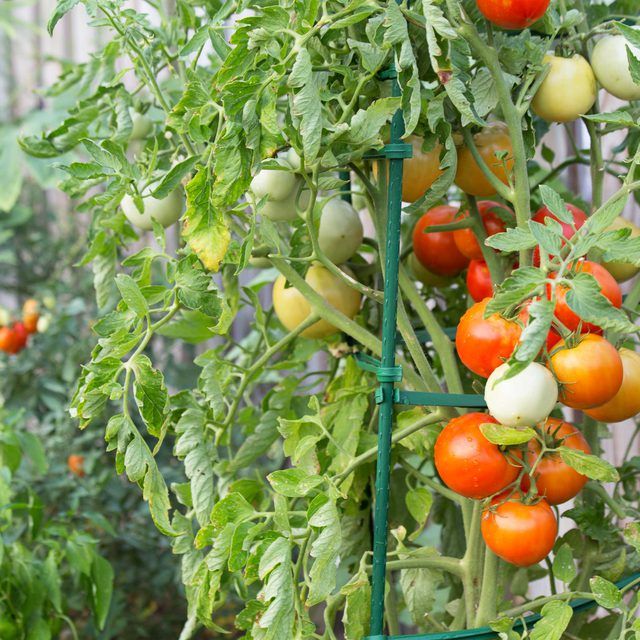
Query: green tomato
column 287, row 209
column 274, row 184
column 293, row 159
column 340, row 232
column 425, row 276
column 165, row 211
column 142, row 125
column 8, row 630
column 568, row 91
column 611, row 66
column 622, row 271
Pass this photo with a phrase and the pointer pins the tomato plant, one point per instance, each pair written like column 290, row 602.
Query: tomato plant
column 254, row 451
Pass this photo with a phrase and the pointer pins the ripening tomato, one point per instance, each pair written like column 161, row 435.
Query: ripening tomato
column 420, row 171
column 589, row 373
column 484, row 344
column 437, row 251
column 626, row 403
column 423, row 274
column 567, row 92
column 610, row 63
column 479, row 282
column 30, row 315
column 622, row 271
column 513, row 14
column 8, row 340
column 556, row 481
column 491, row 143
column 466, row 240
column 468, row 463
column 524, row 399
column 522, row 534
column 568, row 231
column 292, row 308
column 608, row 287
column 75, row 463
column 21, row 336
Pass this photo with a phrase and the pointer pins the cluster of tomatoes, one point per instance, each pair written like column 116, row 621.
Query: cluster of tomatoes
column 14, row 336
column 570, row 87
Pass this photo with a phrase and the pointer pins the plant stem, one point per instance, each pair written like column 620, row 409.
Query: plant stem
column 487, row 604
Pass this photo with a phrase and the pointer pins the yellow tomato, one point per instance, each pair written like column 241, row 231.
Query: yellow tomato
column 420, row 171
column 490, row 142
column 626, row 403
column 292, row 308
column 568, row 91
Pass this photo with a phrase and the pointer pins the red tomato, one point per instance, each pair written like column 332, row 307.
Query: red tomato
column 513, row 14
column 589, row 373
column 468, row 463
column 522, row 534
column 466, row 240
column 21, row 336
column 553, row 337
column 579, row 218
column 608, row 286
column 556, row 481
column 437, row 251
column 484, row 344
column 479, row 280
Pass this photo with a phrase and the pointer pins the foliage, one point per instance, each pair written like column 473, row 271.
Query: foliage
column 278, row 457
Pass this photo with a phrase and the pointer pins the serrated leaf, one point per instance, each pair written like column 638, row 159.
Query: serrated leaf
column 556, row 616
column 293, row 483
column 554, row 202
column 632, row 535
column 521, row 284
column 511, row 240
column 418, row 501
column 586, row 300
column 131, row 294
column 62, row 7
column 150, row 393
column 589, row 465
column 548, row 235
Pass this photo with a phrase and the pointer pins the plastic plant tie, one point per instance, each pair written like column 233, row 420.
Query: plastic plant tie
column 384, row 374
column 392, row 151
column 389, row 73
column 427, row 399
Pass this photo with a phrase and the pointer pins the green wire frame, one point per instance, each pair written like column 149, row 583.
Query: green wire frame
column 388, row 396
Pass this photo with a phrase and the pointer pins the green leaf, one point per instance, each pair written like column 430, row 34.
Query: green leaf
column 621, row 118
column 52, row 581
column 606, row 593
column 554, row 202
column 325, row 549
column 589, row 465
column 632, row 535
column 535, row 334
column 503, row 435
column 548, row 235
column 586, row 300
column 307, row 104
column 513, row 239
column 233, row 508
column 523, row 283
column 131, row 294
column 173, row 178
column 357, row 608
column 564, row 567
column 556, row 616
column 62, row 7
column 150, row 393
column 632, row 35
column 293, row 483
column 418, row 501
column 102, row 577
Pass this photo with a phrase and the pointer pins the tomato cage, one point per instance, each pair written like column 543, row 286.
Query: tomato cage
column 387, row 395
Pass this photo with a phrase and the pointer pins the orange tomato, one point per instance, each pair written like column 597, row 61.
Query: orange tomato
column 466, row 240
column 626, row 403
column 75, row 463
column 589, row 373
